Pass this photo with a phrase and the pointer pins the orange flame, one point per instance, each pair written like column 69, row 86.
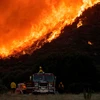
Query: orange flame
column 90, row 43
column 23, row 22
column 79, row 24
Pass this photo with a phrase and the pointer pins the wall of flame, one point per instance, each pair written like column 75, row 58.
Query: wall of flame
column 23, row 22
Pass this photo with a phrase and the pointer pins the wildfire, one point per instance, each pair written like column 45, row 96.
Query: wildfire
column 24, row 23
column 90, row 43
column 79, row 24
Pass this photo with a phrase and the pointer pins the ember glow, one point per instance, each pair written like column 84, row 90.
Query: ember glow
column 23, row 22
column 79, row 24
column 90, row 43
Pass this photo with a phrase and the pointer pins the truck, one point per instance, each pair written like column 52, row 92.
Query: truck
column 42, row 82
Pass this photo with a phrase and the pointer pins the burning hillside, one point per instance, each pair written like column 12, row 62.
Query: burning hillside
column 75, row 54
column 24, row 23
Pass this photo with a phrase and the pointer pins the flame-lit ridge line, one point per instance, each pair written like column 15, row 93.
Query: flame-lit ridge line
column 53, row 23
column 87, row 4
column 37, row 31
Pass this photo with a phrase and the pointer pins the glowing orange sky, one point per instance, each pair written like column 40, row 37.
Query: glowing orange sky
column 22, row 22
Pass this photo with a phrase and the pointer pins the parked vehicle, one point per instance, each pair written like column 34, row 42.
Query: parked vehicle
column 29, row 87
column 41, row 82
column 44, row 83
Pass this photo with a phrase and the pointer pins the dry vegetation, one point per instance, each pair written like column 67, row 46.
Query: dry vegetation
column 47, row 97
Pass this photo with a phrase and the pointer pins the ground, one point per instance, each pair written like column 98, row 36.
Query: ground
column 47, row 97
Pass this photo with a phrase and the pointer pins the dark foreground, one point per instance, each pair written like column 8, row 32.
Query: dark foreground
column 47, row 97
